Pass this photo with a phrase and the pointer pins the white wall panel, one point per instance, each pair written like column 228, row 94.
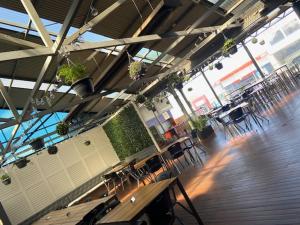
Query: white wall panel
column 48, row 177
column 59, row 183
column 17, row 208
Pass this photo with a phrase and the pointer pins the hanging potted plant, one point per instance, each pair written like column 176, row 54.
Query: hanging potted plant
column 5, row 178
column 137, row 70
column 62, row 128
column 262, row 42
column 150, row 105
column 37, row 143
column 254, row 40
column 229, row 47
column 21, row 163
column 201, row 129
column 76, row 76
column 210, row 67
column 176, row 80
column 52, row 150
column 140, row 99
column 190, row 89
column 219, row 65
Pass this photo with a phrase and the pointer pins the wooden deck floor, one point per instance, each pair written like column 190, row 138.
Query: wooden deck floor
column 253, row 179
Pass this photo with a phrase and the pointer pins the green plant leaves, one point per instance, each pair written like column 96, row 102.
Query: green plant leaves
column 127, row 133
column 69, row 74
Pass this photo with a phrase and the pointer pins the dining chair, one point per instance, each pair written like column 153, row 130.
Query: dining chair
column 153, row 165
column 135, row 174
column 176, row 153
column 113, row 178
column 161, row 210
column 226, row 126
column 238, row 116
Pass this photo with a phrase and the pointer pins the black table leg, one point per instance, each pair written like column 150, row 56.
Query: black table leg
column 189, row 202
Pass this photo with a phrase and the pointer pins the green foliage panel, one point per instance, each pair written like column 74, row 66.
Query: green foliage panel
column 127, row 133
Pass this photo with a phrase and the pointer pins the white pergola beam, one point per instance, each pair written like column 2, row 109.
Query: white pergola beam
column 44, row 51
column 18, row 41
column 94, row 22
column 36, row 20
column 9, row 101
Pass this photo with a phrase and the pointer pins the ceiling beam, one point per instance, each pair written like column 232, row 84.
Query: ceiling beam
column 44, row 51
column 55, row 47
column 94, row 21
column 36, row 20
column 201, row 19
column 9, row 101
column 18, row 41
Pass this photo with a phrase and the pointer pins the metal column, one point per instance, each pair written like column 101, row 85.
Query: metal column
column 253, row 60
column 296, row 7
column 211, row 88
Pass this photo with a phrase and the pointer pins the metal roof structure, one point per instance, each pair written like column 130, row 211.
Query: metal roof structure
column 168, row 35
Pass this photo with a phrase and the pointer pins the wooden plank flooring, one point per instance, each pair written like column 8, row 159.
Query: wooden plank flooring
column 251, row 180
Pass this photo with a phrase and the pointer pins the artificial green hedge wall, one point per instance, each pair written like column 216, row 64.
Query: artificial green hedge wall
column 127, row 133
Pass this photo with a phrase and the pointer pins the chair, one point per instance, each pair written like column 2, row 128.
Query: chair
column 225, row 125
column 225, row 107
column 153, row 165
column 237, row 116
column 135, row 174
column 188, row 148
column 115, row 179
column 161, row 210
column 176, row 152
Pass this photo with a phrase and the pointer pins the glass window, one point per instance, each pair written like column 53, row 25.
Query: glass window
column 291, row 27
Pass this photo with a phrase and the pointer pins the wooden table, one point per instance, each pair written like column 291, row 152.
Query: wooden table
column 242, row 105
column 127, row 212
column 71, row 215
column 118, row 168
column 142, row 162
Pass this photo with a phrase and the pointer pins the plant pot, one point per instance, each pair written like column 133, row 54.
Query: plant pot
column 206, row 132
column 7, row 181
column 52, row 150
column 83, row 87
column 219, row 66
column 22, row 163
column 179, row 86
column 233, row 50
column 37, row 144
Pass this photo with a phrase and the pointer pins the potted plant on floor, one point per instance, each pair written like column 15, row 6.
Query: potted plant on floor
column 137, row 70
column 5, row 178
column 52, row 150
column 219, row 65
column 37, row 143
column 62, row 128
column 229, row 47
column 76, row 76
column 21, row 163
column 201, row 129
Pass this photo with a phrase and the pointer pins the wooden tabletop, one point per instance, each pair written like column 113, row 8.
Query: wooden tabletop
column 118, row 168
column 180, row 140
column 127, row 211
column 71, row 215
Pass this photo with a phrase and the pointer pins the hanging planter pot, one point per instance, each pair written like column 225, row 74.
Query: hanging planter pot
column 83, row 87
column 37, row 143
column 254, row 40
column 76, row 76
column 87, row 142
column 21, row 163
column 233, row 50
column 190, row 89
column 140, row 99
column 52, row 150
column 219, row 65
column 137, row 70
column 262, row 42
column 210, row 67
column 62, row 128
column 6, row 180
column 229, row 47
column 179, row 86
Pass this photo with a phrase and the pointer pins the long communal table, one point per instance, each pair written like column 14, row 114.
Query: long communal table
column 128, row 211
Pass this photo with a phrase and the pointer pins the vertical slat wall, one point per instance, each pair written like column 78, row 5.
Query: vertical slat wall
column 49, row 177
